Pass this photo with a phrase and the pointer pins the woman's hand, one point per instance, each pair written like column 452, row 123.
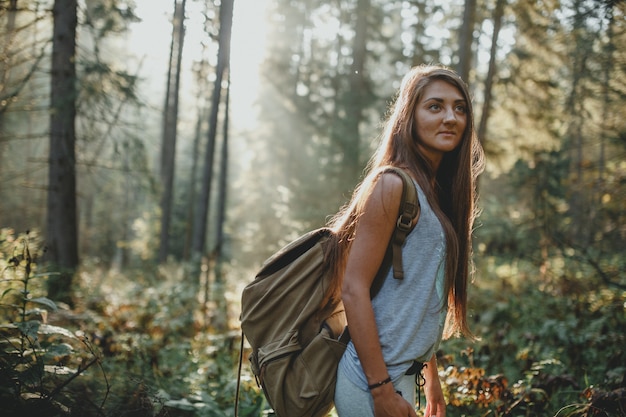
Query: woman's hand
column 388, row 403
column 435, row 401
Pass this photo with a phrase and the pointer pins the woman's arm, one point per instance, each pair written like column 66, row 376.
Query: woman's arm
column 373, row 231
column 435, row 401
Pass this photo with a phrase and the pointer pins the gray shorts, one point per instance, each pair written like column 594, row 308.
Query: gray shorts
column 353, row 401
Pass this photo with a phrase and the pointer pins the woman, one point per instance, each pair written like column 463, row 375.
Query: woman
column 430, row 133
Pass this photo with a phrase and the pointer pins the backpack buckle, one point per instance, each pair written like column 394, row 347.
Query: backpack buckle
column 404, row 223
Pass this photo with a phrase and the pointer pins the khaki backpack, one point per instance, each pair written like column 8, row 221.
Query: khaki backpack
column 295, row 348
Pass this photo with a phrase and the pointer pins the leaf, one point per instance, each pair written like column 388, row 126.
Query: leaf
column 45, row 302
column 59, row 370
column 45, row 275
column 183, row 404
column 29, row 328
column 8, row 290
column 40, row 312
column 58, row 351
column 48, row 329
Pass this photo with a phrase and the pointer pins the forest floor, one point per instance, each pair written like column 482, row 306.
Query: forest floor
column 142, row 343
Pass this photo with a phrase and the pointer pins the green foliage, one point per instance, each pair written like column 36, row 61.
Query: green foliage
column 106, row 16
column 38, row 360
column 152, row 329
column 548, row 347
column 545, row 350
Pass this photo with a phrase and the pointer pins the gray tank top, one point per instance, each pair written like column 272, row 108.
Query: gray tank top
column 410, row 313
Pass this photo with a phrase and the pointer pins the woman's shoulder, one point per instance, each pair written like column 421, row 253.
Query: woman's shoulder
column 392, row 174
column 391, row 177
column 388, row 181
column 386, row 192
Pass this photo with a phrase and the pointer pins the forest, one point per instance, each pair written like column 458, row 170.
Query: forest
column 153, row 153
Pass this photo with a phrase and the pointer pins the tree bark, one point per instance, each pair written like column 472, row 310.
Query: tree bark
column 170, row 121
column 62, row 225
column 193, row 181
column 466, row 39
column 575, row 108
column 5, row 70
column 358, row 85
column 223, row 60
column 606, row 88
column 222, row 192
column 497, row 25
column 220, row 318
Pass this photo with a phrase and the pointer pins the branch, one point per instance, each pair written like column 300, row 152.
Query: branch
column 8, row 98
column 583, row 255
column 603, row 275
column 65, row 383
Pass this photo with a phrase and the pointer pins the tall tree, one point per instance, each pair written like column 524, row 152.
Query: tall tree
column 222, row 190
column 24, row 50
column 609, row 49
column 62, row 224
column 201, row 70
column 114, row 177
column 219, row 319
column 580, row 62
column 355, row 102
column 491, row 72
column 5, row 69
column 466, row 39
column 223, row 60
column 170, row 123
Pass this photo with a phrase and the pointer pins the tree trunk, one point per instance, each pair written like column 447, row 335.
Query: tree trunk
column 193, row 182
column 62, row 225
column 466, row 39
column 497, row 24
column 223, row 59
column 222, row 191
column 574, row 108
column 170, row 119
column 200, row 71
column 606, row 89
column 5, row 70
column 220, row 318
column 355, row 102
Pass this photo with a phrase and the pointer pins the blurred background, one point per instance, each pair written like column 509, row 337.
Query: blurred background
column 154, row 152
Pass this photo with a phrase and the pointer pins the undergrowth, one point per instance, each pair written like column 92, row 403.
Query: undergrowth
column 139, row 343
column 38, row 360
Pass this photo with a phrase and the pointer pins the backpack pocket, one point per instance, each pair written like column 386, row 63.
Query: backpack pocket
column 301, row 382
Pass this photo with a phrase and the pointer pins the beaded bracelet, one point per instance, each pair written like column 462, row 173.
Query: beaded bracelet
column 379, row 383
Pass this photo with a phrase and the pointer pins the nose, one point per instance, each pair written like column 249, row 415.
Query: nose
column 449, row 116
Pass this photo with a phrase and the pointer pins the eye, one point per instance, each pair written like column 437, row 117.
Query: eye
column 461, row 108
column 434, row 106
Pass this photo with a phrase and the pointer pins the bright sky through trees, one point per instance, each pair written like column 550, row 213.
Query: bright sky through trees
column 150, row 40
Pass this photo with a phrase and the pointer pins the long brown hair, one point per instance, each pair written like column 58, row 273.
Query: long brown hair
column 453, row 197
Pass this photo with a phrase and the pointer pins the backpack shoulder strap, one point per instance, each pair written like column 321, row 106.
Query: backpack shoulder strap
column 238, row 388
column 409, row 210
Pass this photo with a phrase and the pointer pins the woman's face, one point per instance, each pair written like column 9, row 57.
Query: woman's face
column 440, row 120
